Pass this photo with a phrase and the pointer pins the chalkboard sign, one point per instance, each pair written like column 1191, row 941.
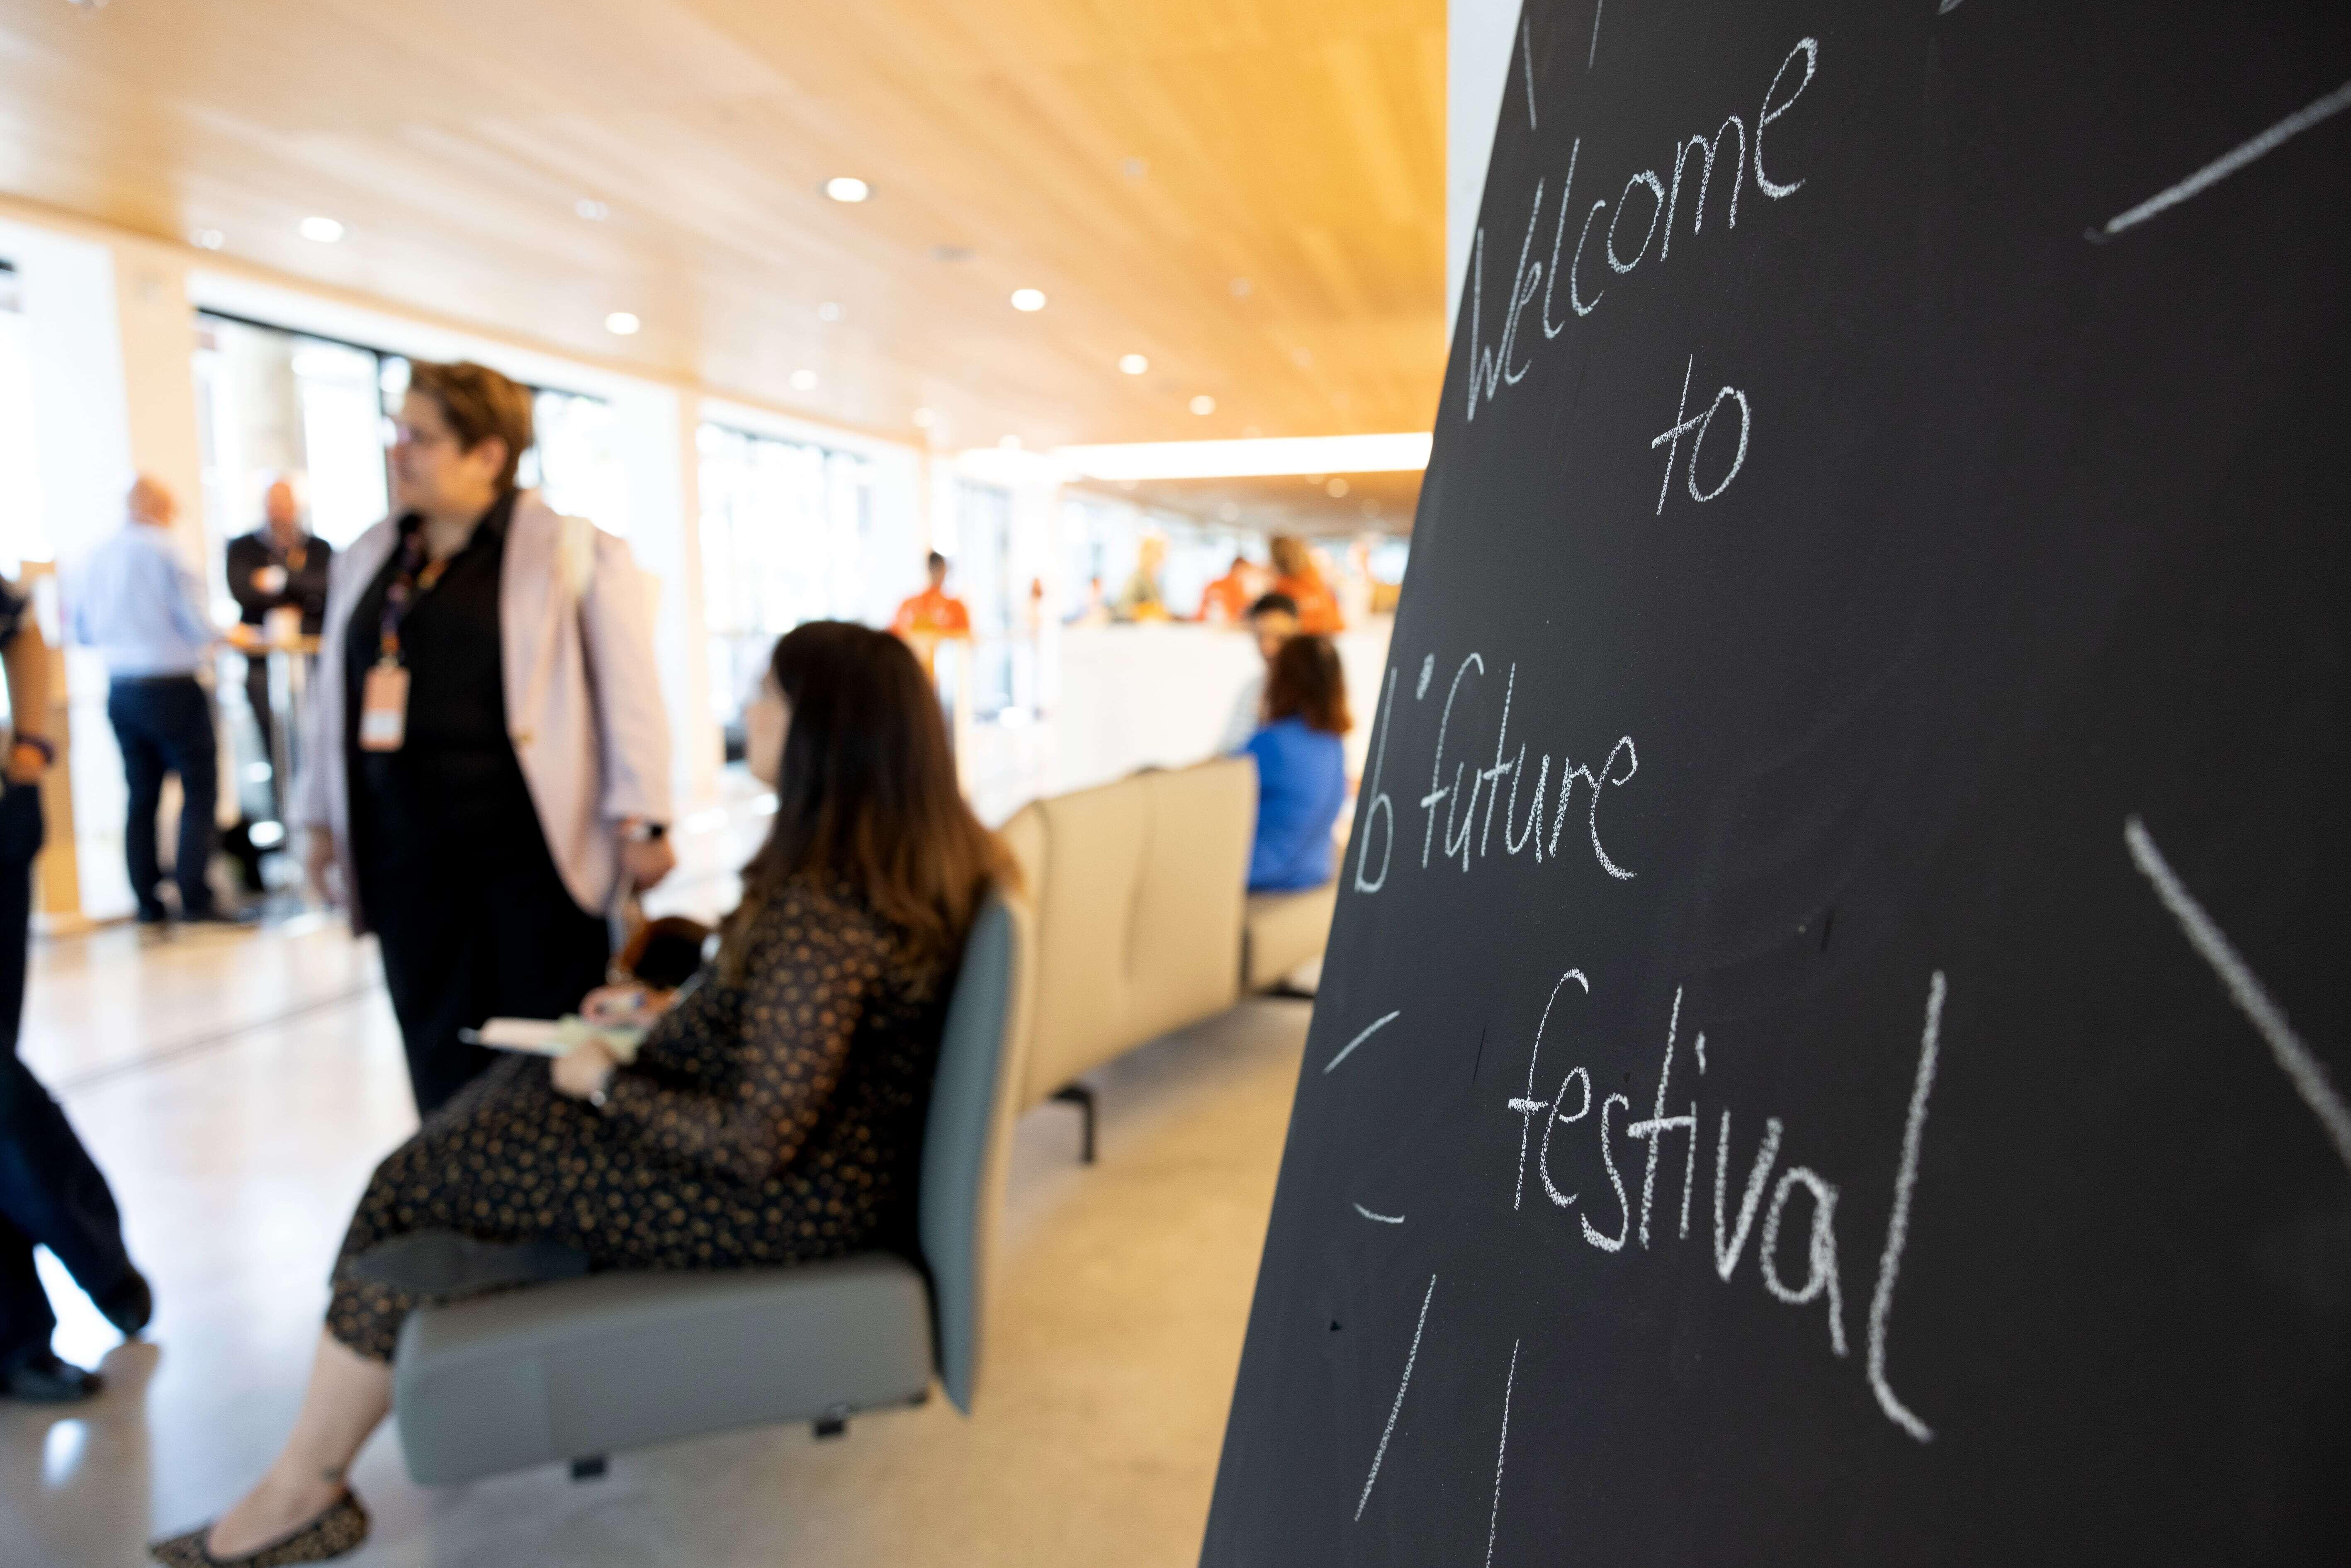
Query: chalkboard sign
column 1834, row 1040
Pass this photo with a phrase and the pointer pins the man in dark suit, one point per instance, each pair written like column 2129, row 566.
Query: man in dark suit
column 277, row 566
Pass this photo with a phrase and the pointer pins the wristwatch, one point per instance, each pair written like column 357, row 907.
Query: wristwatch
column 647, row 833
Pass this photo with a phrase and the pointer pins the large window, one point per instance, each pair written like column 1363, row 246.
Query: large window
column 275, row 401
column 787, row 536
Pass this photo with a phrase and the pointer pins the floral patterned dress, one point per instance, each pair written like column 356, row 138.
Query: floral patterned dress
column 778, row 1121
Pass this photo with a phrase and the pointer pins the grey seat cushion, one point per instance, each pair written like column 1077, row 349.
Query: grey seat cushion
column 616, row 1361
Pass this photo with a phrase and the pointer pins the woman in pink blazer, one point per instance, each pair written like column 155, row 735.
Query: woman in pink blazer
column 486, row 762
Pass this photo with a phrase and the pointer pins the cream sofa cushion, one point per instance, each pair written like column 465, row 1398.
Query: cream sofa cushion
column 1283, row 930
column 1138, row 891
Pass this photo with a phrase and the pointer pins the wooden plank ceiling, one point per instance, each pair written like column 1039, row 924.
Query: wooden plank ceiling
column 1248, row 193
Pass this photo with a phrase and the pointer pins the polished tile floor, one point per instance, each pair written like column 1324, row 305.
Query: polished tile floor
column 237, row 1089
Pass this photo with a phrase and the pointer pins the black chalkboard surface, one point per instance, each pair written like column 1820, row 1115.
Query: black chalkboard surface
column 1835, row 1041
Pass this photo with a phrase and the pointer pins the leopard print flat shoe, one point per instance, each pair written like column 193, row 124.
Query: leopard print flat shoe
column 339, row 1529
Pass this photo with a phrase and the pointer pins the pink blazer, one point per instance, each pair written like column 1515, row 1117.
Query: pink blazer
column 584, row 702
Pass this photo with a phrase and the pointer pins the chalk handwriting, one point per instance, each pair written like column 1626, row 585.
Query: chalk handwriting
column 1695, row 426
column 1348, row 1050
column 1455, row 831
column 2228, row 164
column 1654, row 206
column 1501, row 1451
column 1378, row 810
column 2294, row 1057
column 1398, row 1409
column 1898, row 1223
column 1807, row 1274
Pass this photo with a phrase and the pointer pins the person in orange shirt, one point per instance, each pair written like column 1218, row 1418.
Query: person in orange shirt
column 1225, row 601
column 1297, row 578
column 934, row 612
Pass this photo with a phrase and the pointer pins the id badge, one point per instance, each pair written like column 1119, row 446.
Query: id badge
column 383, row 708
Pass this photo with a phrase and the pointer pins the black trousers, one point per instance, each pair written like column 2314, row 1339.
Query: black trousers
column 51, row 1194
column 475, row 923
column 164, row 724
column 257, row 692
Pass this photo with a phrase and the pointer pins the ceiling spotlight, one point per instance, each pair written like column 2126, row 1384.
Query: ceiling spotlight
column 1135, row 168
column 594, row 211
column 321, row 231
column 1204, row 404
column 847, row 188
column 830, row 311
column 804, row 381
column 1133, row 364
column 1241, row 288
column 1031, row 299
column 1302, row 357
column 926, row 418
column 208, row 240
column 1335, row 488
column 952, row 254
column 622, row 324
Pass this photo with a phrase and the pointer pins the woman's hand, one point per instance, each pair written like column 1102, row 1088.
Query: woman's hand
column 582, row 1071
column 626, row 1004
column 646, row 861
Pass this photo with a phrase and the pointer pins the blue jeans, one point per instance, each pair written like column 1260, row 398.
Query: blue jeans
column 164, row 724
column 50, row 1194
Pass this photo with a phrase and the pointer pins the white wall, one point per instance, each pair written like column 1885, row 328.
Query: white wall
column 1480, row 37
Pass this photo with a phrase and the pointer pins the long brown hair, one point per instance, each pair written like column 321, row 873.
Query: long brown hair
column 1307, row 682
column 866, row 795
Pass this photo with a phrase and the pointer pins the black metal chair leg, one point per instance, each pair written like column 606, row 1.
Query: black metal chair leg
column 1080, row 1096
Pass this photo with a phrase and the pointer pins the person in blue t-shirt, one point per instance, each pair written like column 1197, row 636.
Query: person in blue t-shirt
column 1301, row 767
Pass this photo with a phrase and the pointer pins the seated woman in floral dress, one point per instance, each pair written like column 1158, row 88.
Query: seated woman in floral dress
column 773, row 1115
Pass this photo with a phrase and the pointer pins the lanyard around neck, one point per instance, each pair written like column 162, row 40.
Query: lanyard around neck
column 415, row 579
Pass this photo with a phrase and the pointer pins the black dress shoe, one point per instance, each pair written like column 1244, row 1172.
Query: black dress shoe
column 130, row 1306
column 42, row 1379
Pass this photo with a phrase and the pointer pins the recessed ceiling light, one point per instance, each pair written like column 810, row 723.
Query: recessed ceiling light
column 208, row 240
column 804, row 381
column 1135, row 168
column 622, row 324
column 1009, row 442
column 1133, row 364
column 594, row 211
column 1303, row 358
column 1240, row 286
column 830, row 311
column 1204, row 404
column 847, row 188
column 952, row 254
column 926, row 418
column 1028, row 299
column 1335, row 488
column 321, row 231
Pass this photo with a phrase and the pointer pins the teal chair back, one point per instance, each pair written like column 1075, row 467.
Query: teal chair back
column 967, row 1145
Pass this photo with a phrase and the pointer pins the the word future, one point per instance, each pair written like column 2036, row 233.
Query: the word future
column 1454, row 802
column 1820, row 1273
column 1645, row 209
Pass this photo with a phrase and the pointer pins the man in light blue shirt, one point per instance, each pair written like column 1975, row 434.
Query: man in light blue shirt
column 135, row 601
